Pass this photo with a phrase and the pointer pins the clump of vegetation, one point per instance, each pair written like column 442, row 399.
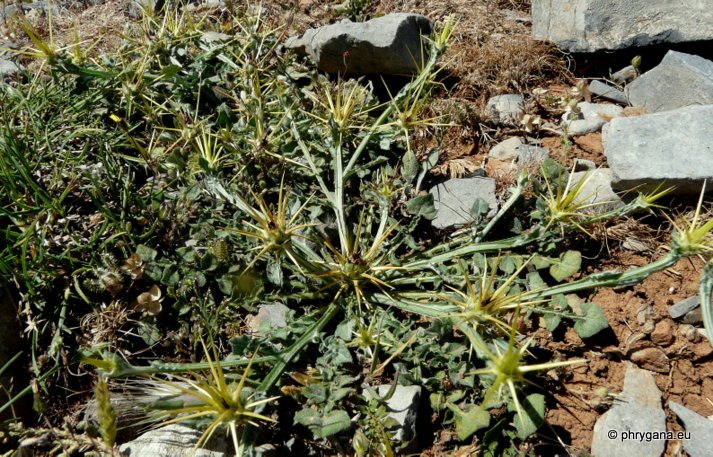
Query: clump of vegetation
column 155, row 197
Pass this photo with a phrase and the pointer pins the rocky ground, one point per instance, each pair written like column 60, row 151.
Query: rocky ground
column 514, row 100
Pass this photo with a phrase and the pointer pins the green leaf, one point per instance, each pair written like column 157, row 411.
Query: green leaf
column 274, row 272
column 553, row 320
column 148, row 332
column 344, row 330
column 422, row 206
column 540, row 262
column 535, row 281
column 322, row 426
column 208, row 262
column 479, row 209
column 593, row 321
column 146, row 253
column 410, row 166
column 385, row 144
column 507, row 264
column 170, row 276
column 430, row 162
column 316, row 392
column 567, row 265
column 532, row 417
column 470, row 422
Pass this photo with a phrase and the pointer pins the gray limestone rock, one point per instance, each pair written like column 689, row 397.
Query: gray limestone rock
column 638, row 409
column 506, row 109
column 403, row 408
column 454, row 198
column 389, row 44
column 528, row 154
column 129, row 416
column 625, row 75
column 604, row 90
column 506, row 150
column 513, row 149
column 174, row 441
column 597, row 190
column 584, row 165
column 697, row 442
column 591, row 118
column 679, row 80
column 8, row 68
column 674, row 148
column 693, row 317
column 269, row 316
column 8, row 12
column 683, row 307
column 593, row 25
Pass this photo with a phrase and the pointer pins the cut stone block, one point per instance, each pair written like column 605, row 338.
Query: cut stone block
column 679, row 80
column 593, row 25
column 454, row 198
column 672, row 148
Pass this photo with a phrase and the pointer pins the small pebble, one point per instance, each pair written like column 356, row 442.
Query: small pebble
column 693, row 317
column 681, row 308
column 663, row 333
column 652, row 359
column 648, row 327
column 690, row 333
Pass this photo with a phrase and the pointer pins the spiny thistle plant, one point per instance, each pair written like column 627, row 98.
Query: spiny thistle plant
column 567, row 204
column 693, row 237
column 272, row 228
column 314, row 189
column 356, row 268
column 507, row 370
column 205, row 399
column 483, row 303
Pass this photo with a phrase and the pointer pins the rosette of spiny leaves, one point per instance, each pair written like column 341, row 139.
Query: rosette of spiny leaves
column 207, row 399
column 504, row 374
column 358, row 267
column 486, row 302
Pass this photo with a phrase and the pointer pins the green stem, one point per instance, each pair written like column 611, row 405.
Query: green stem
column 706, row 287
column 276, row 372
column 517, row 192
column 534, row 234
column 610, row 278
column 425, row 73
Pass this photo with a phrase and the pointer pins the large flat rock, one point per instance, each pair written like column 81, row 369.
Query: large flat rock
column 672, row 146
column 454, row 199
column 679, row 80
column 174, row 440
column 593, row 25
column 638, row 410
column 699, row 430
column 389, row 44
